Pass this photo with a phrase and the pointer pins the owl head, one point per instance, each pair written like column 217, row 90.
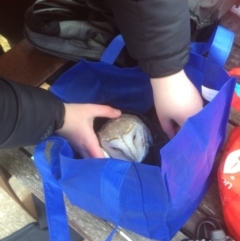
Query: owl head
column 126, row 138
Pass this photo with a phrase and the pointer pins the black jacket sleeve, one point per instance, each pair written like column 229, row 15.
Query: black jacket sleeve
column 27, row 114
column 156, row 33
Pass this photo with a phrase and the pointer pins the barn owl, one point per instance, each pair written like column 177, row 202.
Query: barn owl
column 126, row 138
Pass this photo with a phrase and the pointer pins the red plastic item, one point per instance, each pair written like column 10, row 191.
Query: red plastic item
column 234, row 72
column 236, row 102
column 229, row 183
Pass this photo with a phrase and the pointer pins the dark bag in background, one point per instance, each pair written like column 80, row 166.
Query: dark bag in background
column 77, row 29
column 205, row 16
column 73, row 29
column 68, row 29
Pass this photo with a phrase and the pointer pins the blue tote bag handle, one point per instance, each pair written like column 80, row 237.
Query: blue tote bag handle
column 54, row 201
column 113, row 50
column 55, row 208
column 218, row 47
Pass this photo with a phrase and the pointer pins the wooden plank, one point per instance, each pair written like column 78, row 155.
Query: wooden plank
column 190, row 227
column 231, row 21
column 234, row 117
column 211, row 204
column 234, row 58
column 27, row 65
column 209, row 207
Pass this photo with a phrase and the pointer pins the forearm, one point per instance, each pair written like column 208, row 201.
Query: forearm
column 28, row 114
column 156, row 33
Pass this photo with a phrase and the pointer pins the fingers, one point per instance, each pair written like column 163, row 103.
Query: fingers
column 91, row 143
column 78, row 127
column 167, row 127
column 103, row 111
column 91, row 147
column 93, row 151
column 86, row 143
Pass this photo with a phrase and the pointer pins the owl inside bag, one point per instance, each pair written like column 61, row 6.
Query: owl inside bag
column 229, row 183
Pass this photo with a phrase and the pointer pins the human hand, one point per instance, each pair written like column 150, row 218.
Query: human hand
column 78, row 127
column 176, row 99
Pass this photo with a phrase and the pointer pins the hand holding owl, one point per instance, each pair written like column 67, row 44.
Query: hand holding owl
column 78, row 127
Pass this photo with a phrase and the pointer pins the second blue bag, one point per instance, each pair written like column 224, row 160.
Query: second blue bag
column 153, row 201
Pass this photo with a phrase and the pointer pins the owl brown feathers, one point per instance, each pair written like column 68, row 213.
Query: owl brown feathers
column 126, row 138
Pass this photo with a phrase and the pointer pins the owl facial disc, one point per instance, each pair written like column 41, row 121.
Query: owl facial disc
column 126, row 138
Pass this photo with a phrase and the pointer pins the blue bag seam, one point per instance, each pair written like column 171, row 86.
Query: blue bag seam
column 117, row 201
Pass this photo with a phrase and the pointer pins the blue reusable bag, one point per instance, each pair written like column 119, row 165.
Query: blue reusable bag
column 153, row 201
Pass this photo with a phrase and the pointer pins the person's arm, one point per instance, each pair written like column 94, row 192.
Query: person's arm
column 176, row 99
column 157, row 34
column 29, row 115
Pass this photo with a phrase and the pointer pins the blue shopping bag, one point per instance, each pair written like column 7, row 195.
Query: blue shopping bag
column 153, row 201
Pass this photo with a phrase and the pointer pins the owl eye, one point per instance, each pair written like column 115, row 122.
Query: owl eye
column 115, row 148
column 134, row 137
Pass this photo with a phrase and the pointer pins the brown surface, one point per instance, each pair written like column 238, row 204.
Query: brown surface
column 27, row 65
column 12, row 216
column 5, row 185
column 232, row 22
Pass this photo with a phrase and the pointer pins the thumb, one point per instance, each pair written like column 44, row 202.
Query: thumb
column 93, row 151
column 88, row 146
